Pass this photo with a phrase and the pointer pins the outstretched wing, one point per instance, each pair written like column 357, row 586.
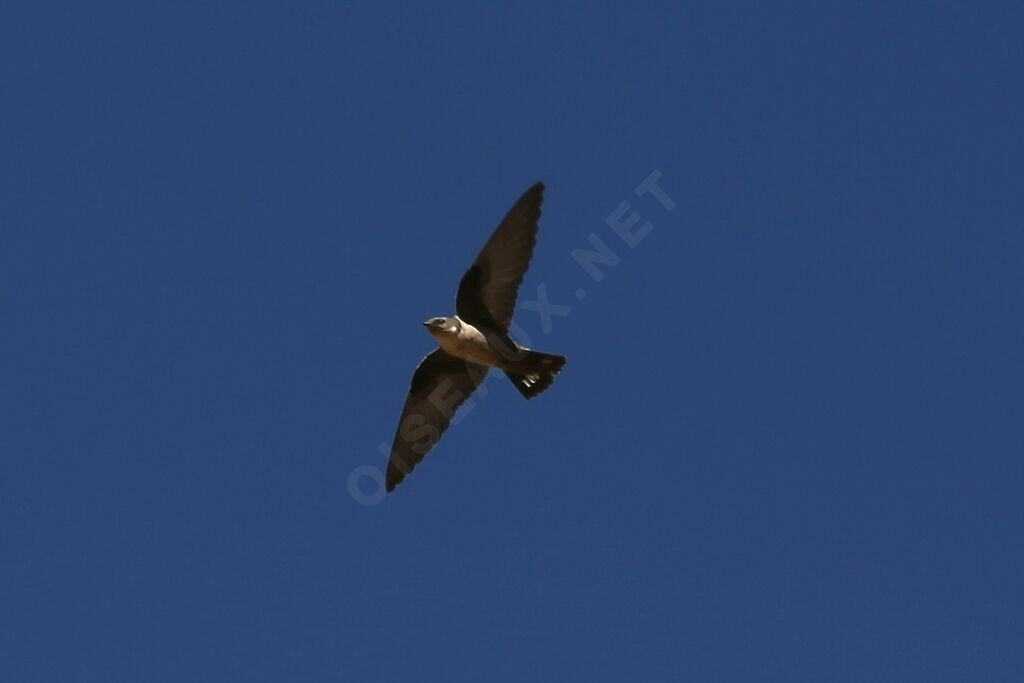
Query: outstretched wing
column 487, row 293
column 439, row 386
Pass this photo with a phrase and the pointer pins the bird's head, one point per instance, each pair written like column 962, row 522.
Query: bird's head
column 442, row 327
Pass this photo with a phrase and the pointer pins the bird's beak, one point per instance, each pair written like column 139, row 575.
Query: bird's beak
column 426, row 323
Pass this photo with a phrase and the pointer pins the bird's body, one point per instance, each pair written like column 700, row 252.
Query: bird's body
column 490, row 347
column 464, row 341
column 475, row 340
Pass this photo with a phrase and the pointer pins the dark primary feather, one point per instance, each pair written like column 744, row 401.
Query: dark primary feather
column 487, row 293
column 439, row 386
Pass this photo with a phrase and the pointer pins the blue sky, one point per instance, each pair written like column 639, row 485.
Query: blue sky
column 787, row 444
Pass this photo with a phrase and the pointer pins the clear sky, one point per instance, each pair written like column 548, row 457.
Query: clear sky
column 787, row 444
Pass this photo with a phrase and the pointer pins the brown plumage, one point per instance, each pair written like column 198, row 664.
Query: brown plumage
column 475, row 340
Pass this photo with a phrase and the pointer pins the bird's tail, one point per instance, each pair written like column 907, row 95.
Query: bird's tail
column 534, row 372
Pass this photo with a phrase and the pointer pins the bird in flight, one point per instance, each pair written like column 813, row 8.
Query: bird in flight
column 474, row 340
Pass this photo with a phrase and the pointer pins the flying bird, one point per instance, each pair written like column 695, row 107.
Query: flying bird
column 474, row 340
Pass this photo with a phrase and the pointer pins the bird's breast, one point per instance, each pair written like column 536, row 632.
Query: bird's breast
column 469, row 344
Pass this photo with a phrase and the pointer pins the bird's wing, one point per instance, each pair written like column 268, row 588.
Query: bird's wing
column 487, row 293
column 439, row 386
